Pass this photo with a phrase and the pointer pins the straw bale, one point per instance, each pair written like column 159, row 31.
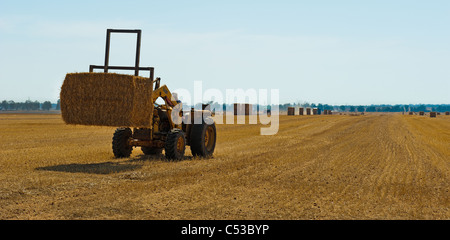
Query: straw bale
column 239, row 109
column 106, row 99
column 291, row 111
column 248, row 109
column 308, row 111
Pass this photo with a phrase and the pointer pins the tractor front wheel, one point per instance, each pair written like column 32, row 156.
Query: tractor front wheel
column 120, row 145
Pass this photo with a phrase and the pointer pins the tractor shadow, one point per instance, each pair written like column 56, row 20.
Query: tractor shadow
column 158, row 157
column 109, row 167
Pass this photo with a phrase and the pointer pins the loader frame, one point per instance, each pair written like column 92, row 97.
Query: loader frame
column 136, row 67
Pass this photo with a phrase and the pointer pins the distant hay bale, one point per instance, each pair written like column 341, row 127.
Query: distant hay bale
column 248, row 109
column 291, row 111
column 308, row 111
column 421, row 113
column 315, row 111
column 432, row 114
column 411, row 113
column 106, row 99
column 447, row 113
column 242, row 109
column 300, row 111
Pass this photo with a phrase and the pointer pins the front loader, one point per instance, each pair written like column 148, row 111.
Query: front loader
column 164, row 133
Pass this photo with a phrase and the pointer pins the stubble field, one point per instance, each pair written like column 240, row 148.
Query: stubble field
column 380, row 166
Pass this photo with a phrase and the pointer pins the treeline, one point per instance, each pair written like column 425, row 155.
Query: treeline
column 47, row 105
column 375, row 108
column 28, row 105
column 395, row 108
column 346, row 108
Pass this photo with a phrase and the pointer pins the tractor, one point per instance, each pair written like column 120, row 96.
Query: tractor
column 164, row 133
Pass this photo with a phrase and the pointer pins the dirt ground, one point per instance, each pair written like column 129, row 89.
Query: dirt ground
column 379, row 166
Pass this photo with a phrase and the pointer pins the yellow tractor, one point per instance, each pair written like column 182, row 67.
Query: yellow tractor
column 164, row 133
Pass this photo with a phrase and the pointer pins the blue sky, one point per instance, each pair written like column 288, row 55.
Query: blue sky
column 323, row 51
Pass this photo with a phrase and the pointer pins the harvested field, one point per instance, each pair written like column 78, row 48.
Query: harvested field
column 388, row 166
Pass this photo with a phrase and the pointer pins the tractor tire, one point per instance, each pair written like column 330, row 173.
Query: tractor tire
column 120, row 146
column 151, row 151
column 175, row 145
column 203, row 139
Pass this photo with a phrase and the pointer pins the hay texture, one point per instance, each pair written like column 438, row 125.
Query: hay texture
column 106, row 99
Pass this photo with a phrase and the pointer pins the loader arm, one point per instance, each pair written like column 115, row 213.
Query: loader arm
column 171, row 102
column 165, row 94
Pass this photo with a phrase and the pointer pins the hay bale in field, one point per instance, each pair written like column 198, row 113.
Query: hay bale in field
column 421, row 113
column 106, row 99
column 300, row 111
column 447, row 113
column 411, row 113
column 239, row 109
column 308, row 111
column 315, row 111
column 291, row 111
column 248, row 109
column 432, row 114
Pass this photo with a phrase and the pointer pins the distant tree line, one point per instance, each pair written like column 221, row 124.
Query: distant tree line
column 28, row 105
column 375, row 108
column 47, row 105
column 395, row 108
column 346, row 108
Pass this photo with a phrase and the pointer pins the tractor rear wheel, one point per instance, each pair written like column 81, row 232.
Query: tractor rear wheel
column 120, row 146
column 175, row 144
column 203, row 139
